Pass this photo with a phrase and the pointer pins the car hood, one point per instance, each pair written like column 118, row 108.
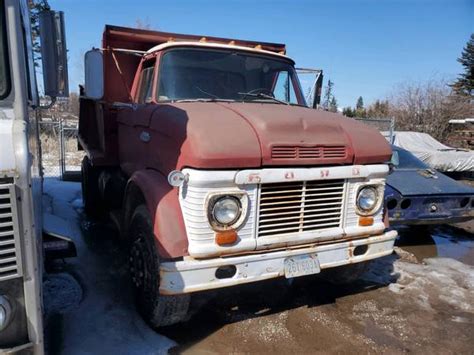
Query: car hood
column 237, row 135
column 415, row 182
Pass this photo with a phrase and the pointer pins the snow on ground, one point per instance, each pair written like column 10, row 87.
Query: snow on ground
column 90, row 307
column 88, row 303
column 432, row 282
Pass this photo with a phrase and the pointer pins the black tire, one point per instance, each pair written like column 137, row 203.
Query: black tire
column 345, row 274
column 157, row 310
column 90, row 189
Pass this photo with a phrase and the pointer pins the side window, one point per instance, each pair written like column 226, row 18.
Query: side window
column 5, row 83
column 145, row 84
column 284, row 89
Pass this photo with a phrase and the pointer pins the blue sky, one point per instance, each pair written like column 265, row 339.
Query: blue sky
column 366, row 47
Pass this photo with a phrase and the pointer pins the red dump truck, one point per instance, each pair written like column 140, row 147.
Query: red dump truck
column 206, row 153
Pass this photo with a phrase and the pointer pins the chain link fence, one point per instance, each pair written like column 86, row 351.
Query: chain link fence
column 386, row 126
column 60, row 156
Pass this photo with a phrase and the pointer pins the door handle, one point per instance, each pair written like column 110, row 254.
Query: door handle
column 145, row 136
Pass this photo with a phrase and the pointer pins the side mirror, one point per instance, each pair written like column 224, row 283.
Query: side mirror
column 94, row 74
column 313, row 98
column 318, row 90
column 54, row 53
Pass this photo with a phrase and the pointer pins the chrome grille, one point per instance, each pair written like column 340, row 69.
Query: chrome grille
column 315, row 152
column 300, row 206
column 9, row 265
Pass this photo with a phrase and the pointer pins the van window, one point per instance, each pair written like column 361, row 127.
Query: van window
column 5, row 83
column 145, row 83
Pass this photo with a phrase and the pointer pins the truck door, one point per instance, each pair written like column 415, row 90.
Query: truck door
column 133, row 121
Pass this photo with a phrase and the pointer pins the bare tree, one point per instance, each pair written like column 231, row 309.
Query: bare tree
column 427, row 107
column 143, row 24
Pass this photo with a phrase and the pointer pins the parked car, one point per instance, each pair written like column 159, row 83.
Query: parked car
column 416, row 194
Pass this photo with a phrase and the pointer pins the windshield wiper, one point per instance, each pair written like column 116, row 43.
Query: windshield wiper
column 203, row 100
column 262, row 95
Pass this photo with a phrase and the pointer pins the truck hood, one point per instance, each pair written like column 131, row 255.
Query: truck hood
column 248, row 135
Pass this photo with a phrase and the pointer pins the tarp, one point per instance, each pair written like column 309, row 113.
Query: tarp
column 434, row 153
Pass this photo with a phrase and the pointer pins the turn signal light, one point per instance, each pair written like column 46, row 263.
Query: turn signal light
column 366, row 221
column 226, row 237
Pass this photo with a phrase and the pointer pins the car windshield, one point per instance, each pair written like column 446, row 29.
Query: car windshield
column 4, row 71
column 407, row 160
column 211, row 74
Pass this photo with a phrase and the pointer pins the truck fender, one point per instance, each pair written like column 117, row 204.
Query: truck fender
column 151, row 188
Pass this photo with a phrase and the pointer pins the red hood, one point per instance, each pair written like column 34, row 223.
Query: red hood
column 247, row 135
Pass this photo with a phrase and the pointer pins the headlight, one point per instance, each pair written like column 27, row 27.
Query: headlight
column 5, row 313
column 226, row 210
column 367, row 198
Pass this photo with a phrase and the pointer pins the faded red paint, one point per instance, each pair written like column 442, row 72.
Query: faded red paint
column 148, row 141
column 167, row 219
column 214, row 136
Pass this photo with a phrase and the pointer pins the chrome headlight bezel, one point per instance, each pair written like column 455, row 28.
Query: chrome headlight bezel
column 242, row 200
column 379, row 194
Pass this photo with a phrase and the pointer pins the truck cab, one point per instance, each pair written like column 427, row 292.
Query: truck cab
column 219, row 172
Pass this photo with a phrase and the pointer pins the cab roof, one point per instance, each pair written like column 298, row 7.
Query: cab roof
column 206, row 44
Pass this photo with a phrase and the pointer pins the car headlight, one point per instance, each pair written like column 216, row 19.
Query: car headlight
column 226, row 210
column 367, row 199
column 5, row 313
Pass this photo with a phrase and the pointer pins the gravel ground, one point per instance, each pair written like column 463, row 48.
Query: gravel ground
column 420, row 299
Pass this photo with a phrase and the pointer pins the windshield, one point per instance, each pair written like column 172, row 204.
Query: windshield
column 195, row 73
column 4, row 70
column 407, row 160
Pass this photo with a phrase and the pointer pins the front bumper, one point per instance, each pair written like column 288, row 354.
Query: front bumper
column 192, row 275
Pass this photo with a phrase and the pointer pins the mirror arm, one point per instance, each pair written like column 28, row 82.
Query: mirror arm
column 48, row 106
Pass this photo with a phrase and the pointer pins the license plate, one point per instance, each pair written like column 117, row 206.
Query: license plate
column 301, row 265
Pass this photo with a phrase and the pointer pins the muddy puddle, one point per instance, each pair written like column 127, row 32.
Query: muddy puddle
column 444, row 241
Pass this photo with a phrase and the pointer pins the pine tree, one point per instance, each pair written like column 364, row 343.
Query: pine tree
column 360, row 110
column 348, row 111
column 333, row 104
column 328, row 95
column 464, row 85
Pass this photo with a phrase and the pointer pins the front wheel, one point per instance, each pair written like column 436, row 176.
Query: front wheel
column 158, row 310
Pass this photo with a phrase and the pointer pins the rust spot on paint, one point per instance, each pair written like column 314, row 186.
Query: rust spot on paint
column 255, row 178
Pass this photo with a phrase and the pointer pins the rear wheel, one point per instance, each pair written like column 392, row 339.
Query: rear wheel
column 345, row 274
column 158, row 310
column 90, row 189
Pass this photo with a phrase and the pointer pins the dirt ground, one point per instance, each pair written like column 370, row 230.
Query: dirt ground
column 420, row 299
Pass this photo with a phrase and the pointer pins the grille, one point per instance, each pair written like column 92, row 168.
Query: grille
column 8, row 254
column 319, row 152
column 300, row 206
